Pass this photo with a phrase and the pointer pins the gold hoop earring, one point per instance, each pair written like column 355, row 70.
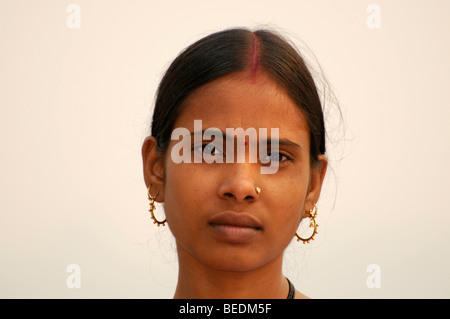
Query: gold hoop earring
column 313, row 223
column 152, row 209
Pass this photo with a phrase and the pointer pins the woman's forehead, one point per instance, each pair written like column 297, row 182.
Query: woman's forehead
column 236, row 101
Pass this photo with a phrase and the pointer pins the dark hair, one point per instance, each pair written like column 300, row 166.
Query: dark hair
column 229, row 51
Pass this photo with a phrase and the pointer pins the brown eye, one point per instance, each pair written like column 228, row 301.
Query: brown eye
column 276, row 157
column 208, row 149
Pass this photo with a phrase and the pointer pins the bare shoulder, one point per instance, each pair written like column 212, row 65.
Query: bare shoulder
column 299, row 295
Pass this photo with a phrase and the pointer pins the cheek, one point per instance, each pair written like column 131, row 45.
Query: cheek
column 286, row 218
column 184, row 191
column 286, row 207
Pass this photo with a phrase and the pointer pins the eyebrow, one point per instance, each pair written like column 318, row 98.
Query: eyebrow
column 284, row 141
column 281, row 141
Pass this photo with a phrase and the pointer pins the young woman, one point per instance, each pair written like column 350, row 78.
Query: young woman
column 231, row 221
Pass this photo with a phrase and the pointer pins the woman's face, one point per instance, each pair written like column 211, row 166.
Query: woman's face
column 213, row 210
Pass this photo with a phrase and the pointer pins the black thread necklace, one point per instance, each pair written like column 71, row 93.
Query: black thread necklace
column 291, row 293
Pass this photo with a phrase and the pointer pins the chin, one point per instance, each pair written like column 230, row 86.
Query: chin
column 236, row 262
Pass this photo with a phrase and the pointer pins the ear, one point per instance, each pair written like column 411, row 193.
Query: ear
column 315, row 184
column 153, row 162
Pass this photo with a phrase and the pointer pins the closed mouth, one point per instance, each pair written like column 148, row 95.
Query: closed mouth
column 235, row 219
column 234, row 227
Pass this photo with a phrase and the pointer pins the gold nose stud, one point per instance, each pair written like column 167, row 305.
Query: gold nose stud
column 258, row 190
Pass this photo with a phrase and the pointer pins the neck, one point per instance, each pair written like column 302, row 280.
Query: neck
column 199, row 281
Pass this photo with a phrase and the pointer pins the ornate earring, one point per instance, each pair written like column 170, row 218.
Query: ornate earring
column 152, row 209
column 313, row 223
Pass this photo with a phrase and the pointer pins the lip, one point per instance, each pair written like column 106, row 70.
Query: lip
column 235, row 227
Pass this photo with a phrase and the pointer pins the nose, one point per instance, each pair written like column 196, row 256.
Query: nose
column 240, row 184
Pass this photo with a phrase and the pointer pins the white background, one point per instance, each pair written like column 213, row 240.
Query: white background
column 75, row 108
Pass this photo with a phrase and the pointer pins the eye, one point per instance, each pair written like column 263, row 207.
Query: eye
column 276, row 157
column 208, row 149
column 212, row 149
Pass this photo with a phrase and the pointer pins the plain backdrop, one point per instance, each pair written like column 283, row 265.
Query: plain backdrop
column 75, row 106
